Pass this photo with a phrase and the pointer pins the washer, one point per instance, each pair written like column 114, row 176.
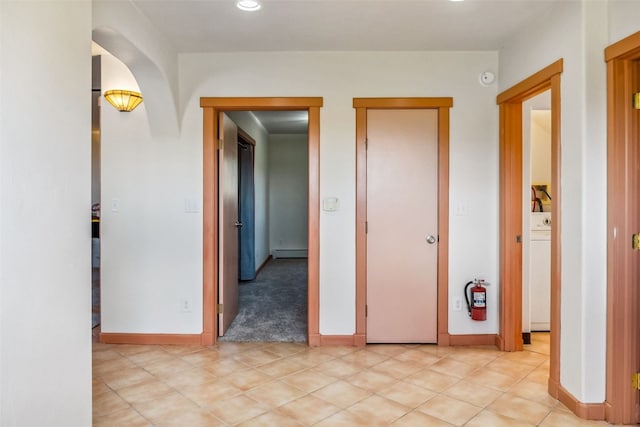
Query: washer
column 540, row 270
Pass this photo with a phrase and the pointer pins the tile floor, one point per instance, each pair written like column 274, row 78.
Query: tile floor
column 284, row 384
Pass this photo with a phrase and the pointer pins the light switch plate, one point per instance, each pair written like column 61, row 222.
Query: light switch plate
column 330, row 204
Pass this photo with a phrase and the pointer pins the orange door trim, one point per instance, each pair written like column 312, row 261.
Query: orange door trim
column 443, row 106
column 211, row 108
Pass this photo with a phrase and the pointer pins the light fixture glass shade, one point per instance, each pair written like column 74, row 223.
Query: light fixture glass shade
column 123, row 100
column 248, row 5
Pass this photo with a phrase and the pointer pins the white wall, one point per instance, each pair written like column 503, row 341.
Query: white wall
column 151, row 248
column 45, row 197
column 338, row 77
column 288, row 198
column 250, row 124
column 576, row 31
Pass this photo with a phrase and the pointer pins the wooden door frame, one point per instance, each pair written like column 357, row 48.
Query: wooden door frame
column 211, row 109
column 622, row 208
column 362, row 105
column 510, row 102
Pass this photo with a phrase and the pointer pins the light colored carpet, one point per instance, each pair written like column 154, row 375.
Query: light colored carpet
column 273, row 307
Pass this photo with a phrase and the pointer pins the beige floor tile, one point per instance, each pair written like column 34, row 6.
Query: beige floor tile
column 188, row 377
column 150, row 390
column 207, row 394
column 341, row 394
column 257, row 357
column 308, row 410
column 378, row 410
column 432, row 380
column 488, row 418
column 365, row 358
column 131, row 349
column 399, row 369
column 407, row 394
column 201, row 358
column 235, row 348
column 167, row 368
column 475, row 394
column 344, row 419
column 127, row 417
column 237, row 409
column 371, row 380
column 275, row 393
column 510, row 368
column 492, row 379
column 475, row 358
column 450, row 410
column 196, row 417
column 182, row 350
column 539, row 375
column 98, row 387
column 104, row 355
column 422, row 358
column 309, row 380
column 311, row 358
column 452, row 367
column 337, row 351
column 248, row 379
column 271, row 419
column 389, row 350
column 437, row 350
column 112, row 365
column 519, row 408
column 164, row 406
column 286, row 349
column 108, row 403
column 420, row 419
column 533, row 391
column 281, row 368
column 126, row 377
column 224, row 367
column 338, row 368
column 151, row 356
column 567, row 419
column 525, row 357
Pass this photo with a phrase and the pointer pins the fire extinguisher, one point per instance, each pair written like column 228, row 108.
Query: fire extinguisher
column 478, row 296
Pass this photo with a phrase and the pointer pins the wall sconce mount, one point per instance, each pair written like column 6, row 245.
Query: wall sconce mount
column 123, row 100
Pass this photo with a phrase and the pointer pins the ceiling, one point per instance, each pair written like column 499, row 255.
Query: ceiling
column 330, row 25
column 192, row 26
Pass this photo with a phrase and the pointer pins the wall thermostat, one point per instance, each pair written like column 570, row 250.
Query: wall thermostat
column 486, row 78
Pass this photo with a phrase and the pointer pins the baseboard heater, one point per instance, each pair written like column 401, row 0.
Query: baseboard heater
column 289, row 253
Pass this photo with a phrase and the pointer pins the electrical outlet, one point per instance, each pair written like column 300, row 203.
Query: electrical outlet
column 457, row 304
column 186, row 305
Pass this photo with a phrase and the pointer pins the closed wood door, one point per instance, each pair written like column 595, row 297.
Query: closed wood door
column 402, row 196
column 228, row 223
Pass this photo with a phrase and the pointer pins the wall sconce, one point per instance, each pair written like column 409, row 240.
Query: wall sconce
column 123, row 100
column 636, row 100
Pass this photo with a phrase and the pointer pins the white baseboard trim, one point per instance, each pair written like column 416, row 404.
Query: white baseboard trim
column 289, row 253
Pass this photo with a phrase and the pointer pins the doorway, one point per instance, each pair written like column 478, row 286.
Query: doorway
column 211, row 109
column 263, row 287
column 623, row 217
column 537, row 219
column 437, row 242
column 511, row 213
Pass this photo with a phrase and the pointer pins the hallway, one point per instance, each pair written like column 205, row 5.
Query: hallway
column 290, row 384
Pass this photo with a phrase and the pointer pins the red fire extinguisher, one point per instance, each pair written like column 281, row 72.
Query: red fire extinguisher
column 478, row 296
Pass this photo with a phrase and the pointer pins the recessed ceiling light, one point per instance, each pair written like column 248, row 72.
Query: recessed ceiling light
column 248, row 5
column 456, row 0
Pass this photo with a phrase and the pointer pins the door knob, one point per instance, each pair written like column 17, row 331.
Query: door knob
column 431, row 239
column 238, row 224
